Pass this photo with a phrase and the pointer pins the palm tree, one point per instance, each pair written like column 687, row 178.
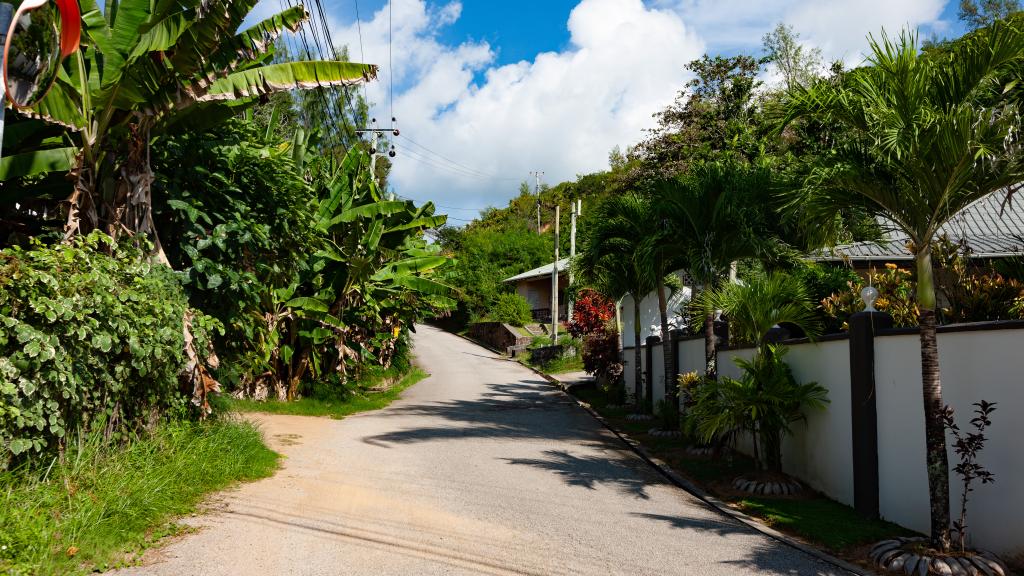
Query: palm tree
column 768, row 399
column 715, row 216
column 925, row 135
column 148, row 68
column 608, row 262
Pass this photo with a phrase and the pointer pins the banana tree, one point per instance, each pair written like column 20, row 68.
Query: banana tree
column 372, row 280
column 149, row 67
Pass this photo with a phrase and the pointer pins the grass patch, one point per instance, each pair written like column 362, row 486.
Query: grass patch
column 338, row 407
column 817, row 519
column 102, row 506
column 822, row 521
column 561, row 365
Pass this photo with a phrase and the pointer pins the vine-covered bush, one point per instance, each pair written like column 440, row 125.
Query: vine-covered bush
column 511, row 309
column 86, row 339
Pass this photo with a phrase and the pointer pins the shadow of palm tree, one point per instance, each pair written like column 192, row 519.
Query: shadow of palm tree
column 519, row 410
column 625, row 473
column 771, row 557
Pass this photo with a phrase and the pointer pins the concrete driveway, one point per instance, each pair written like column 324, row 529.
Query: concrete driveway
column 483, row 468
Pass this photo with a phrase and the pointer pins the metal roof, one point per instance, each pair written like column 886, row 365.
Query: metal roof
column 991, row 227
column 543, row 271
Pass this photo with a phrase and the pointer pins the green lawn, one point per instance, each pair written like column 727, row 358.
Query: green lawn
column 333, row 407
column 100, row 507
column 816, row 519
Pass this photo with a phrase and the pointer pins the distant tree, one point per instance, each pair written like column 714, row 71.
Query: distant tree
column 713, row 116
column 798, row 64
column 981, row 13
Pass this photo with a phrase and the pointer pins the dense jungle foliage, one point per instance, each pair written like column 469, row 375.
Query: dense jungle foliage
column 170, row 231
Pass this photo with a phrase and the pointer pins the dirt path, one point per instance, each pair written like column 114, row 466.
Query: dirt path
column 482, row 468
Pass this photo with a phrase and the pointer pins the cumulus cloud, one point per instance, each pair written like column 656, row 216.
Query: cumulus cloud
column 562, row 112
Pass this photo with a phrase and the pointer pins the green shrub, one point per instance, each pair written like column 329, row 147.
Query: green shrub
column 511, row 309
column 86, row 338
column 765, row 403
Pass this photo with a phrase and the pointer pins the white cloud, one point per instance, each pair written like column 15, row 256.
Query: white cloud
column 838, row 27
column 562, row 112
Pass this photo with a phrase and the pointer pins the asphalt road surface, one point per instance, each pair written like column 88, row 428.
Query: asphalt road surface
column 483, row 468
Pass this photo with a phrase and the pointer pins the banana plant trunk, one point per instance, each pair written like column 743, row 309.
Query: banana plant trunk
column 638, row 374
column 935, row 431
column 667, row 352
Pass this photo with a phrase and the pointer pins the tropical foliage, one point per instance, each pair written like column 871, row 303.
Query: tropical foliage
column 88, row 341
column 295, row 271
column 927, row 134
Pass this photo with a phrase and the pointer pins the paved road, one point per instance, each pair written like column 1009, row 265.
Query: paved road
column 481, row 469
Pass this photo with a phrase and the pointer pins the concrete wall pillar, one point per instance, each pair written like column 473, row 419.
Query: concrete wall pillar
column 863, row 328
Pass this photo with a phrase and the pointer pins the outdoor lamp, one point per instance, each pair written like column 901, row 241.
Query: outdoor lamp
column 39, row 36
column 869, row 295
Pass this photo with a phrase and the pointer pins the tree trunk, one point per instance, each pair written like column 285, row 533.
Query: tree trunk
column 710, row 347
column 667, row 352
column 935, row 432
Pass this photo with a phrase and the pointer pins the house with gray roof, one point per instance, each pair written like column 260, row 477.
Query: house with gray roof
column 990, row 228
column 535, row 286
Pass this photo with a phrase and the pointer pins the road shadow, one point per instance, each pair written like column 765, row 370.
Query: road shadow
column 519, row 410
column 767, row 557
column 623, row 472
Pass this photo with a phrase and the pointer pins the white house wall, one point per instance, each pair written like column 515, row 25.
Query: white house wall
column 648, row 312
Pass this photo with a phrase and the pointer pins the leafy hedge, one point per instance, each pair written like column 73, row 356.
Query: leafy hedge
column 86, row 340
column 511, row 309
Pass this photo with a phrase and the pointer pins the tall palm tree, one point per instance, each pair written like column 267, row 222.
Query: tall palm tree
column 608, row 262
column 147, row 68
column 925, row 135
column 715, row 215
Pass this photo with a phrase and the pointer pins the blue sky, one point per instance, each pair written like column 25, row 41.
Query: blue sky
column 488, row 90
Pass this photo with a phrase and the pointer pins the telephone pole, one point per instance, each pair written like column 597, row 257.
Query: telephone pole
column 375, row 152
column 554, row 283
column 577, row 211
column 536, row 190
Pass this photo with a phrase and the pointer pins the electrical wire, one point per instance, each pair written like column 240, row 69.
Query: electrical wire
column 438, row 162
column 362, row 54
column 480, row 173
column 450, row 169
column 391, row 63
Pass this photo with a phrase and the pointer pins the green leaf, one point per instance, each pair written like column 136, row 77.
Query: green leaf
column 286, row 76
column 37, row 162
column 307, row 304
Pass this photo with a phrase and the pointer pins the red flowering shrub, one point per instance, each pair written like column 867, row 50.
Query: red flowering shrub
column 591, row 313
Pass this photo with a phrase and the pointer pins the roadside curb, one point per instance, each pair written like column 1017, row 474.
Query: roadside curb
column 680, row 482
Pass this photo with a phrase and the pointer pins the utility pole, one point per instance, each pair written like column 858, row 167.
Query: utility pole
column 577, row 207
column 375, row 134
column 554, row 283
column 536, row 190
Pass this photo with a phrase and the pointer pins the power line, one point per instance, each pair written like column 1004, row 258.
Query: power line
column 362, row 55
column 449, row 160
column 449, row 168
column 441, row 164
column 391, row 61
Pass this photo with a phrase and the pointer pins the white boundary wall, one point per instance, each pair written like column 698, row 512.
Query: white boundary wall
column 976, row 365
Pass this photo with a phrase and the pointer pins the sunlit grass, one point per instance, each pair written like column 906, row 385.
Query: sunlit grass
column 99, row 506
column 338, row 407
